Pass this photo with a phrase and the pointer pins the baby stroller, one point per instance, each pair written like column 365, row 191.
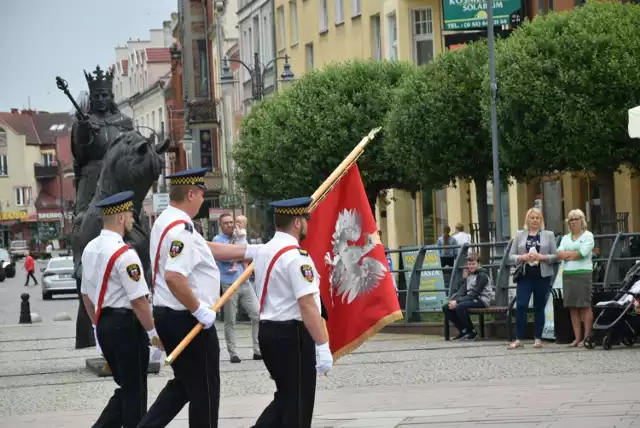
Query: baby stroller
column 614, row 316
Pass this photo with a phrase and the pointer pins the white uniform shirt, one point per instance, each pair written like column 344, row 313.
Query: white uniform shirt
column 186, row 252
column 126, row 282
column 293, row 276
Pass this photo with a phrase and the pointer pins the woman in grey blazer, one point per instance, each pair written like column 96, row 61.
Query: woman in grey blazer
column 535, row 249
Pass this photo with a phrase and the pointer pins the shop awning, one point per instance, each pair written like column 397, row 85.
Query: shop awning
column 634, row 122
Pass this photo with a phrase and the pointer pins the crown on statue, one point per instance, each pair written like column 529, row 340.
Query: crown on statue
column 99, row 79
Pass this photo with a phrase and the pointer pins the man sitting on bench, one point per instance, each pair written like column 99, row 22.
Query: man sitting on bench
column 475, row 291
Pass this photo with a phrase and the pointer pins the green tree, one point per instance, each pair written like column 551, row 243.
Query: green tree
column 291, row 142
column 566, row 82
column 436, row 124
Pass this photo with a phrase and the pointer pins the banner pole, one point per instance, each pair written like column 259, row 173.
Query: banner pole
column 316, row 197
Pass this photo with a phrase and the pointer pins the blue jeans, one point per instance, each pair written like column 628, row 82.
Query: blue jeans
column 540, row 288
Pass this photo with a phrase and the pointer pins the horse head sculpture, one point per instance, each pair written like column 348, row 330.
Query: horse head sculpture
column 131, row 163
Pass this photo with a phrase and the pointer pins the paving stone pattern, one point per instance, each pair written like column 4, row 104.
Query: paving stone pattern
column 392, row 381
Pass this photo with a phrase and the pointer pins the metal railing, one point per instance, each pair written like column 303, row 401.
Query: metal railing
column 614, row 255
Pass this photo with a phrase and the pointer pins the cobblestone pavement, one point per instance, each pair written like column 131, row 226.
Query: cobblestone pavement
column 392, row 381
column 12, row 288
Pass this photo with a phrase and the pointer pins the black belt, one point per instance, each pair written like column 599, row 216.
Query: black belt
column 116, row 311
column 163, row 310
column 288, row 322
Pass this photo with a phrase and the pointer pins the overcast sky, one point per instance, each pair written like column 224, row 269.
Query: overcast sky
column 41, row 39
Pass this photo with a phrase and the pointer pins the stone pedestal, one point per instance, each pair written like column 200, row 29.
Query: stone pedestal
column 99, row 366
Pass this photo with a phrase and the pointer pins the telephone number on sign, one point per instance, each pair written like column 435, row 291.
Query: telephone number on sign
column 474, row 24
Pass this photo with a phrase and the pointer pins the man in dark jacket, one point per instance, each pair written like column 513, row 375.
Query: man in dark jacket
column 475, row 291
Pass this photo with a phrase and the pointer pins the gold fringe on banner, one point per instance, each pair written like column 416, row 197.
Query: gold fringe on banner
column 372, row 331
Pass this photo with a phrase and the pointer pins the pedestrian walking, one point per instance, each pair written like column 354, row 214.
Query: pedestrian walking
column 186, row 283
column 115, row 292
column 244, row 296
column 30, row 267
column 293, row 338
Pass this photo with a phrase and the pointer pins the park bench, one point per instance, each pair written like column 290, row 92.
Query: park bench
column 507, row 311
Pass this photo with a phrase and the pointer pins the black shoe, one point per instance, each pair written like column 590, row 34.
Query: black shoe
column 235, row 359
column 471, row 335
column 257, row 357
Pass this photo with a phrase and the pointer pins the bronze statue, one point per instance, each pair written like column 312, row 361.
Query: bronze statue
column 109, row 157
column 92, row 133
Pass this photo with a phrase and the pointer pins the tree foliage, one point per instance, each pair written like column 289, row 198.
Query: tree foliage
column 566, row 81
column 291, row 142
column 436, row 123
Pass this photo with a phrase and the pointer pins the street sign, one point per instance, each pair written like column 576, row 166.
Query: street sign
column 472, row 14
column 230, row 201
column 160, row 202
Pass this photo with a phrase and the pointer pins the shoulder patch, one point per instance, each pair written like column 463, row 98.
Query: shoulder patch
column 307, row 272
column 303, row 252
column 176, row 248
column 134, row 272
column 188, row 227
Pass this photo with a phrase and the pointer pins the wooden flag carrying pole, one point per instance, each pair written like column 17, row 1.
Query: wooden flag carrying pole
column 316, row 197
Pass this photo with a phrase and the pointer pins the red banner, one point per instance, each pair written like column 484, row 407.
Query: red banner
column 355, row 283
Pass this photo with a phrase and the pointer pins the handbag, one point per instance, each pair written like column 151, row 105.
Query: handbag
column 519, row 272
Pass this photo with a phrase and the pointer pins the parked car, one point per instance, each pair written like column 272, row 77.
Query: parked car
column 7, row 265
column 18, row 248
column 57, row 277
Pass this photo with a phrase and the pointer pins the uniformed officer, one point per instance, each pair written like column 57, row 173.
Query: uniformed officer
column 115, row 294
column 186, row 284
column 292, row 335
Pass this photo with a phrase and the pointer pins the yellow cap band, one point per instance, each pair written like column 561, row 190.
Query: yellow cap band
column 117, row 209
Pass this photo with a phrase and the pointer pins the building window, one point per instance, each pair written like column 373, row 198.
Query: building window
column 202, row 72
column 4, row 168
column 293, row 13
column 207, row 155
column 392, row 28
column 282, row 41
column 256, row 38
column 338, row 12
column 356, row 8
column 246, row 53
column 376, row 38
column 324, row 16
column 308, row 50
column 23, row 196
column 423, row 44
column 3, row 137
column 161, row 120
column 48, row 159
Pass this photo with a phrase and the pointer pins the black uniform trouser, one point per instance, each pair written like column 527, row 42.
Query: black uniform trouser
column 125, row 346
column 196, row 373
column 289, row 353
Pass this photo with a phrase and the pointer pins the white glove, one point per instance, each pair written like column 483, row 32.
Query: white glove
column 205, row 315
column 95, row 335
column 154, row 339
column 251, row 251
column 155, row 355
column 324, row 360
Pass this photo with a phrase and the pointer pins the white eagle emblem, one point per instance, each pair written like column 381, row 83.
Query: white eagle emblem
column 351, row 271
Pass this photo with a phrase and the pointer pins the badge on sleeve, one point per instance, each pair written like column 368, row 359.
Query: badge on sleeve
column 303, row 252
column 134, row 272
column 307, row 272
column 176, row 248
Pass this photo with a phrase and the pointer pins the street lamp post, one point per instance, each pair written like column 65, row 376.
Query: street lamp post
column 187, row 145
column 495, row 136
column 257, row 74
